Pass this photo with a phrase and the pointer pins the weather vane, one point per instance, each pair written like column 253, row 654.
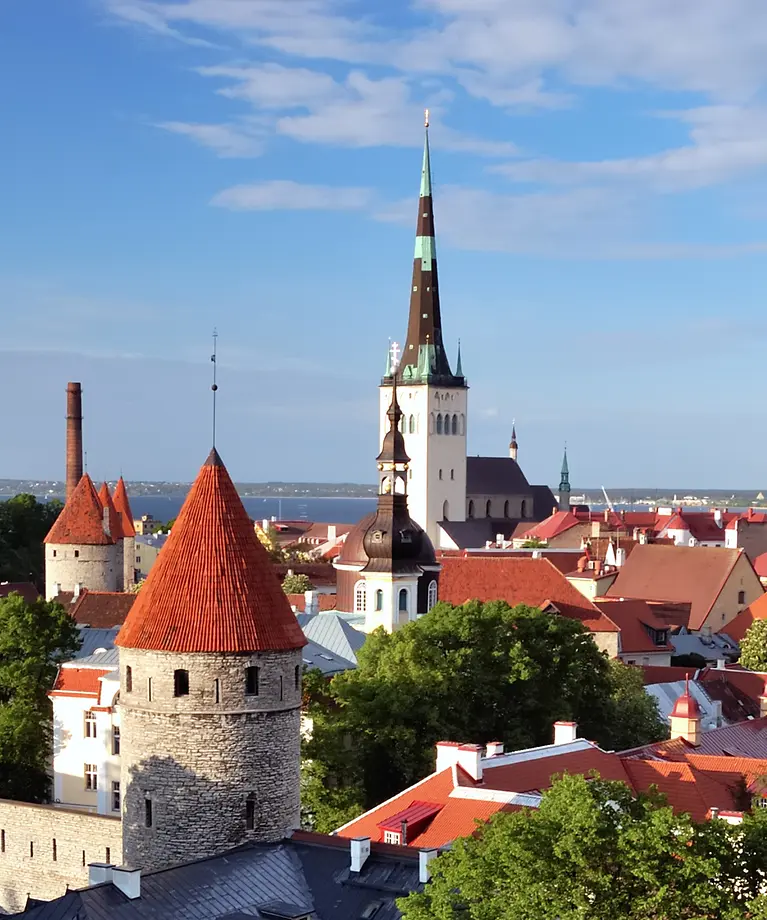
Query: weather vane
column 426, row 118
column 214, row 386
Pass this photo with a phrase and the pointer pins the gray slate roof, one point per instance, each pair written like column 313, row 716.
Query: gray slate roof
column 495, row 476
column 333, row 633
column 474, row 533
column 310, row 872
column 96, row 638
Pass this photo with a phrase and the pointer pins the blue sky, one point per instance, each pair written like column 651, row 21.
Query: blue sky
column 253, row 165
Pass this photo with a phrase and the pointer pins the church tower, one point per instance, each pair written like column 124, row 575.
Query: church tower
column 513, row 446
column 432, row 398
column 210, row 690
column 564, row 485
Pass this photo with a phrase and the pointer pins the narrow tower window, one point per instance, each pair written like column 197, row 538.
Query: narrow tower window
column 454, row 425
column 523, row 512
column 403, row 600
column 446, row 510
column 431, row 598
column 298, row 676
column 250, row 812
column 128, row 679
column 282, row 688
column 147, row 812
column 54, row 854
column 506, row 508
column 251, row 680
column 471, row 508
column 180, row 682
column 412, row 424
column 439, row 423
column 217, row 690
column 359, row 597
column 440, row 474
column 488, row 508
column 379, row 600
column 149, row 689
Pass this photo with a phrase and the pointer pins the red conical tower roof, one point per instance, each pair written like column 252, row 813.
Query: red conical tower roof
column 212, row 588
column 82, row 518
column 115, row 526
column 121, row 503
column 686, row 707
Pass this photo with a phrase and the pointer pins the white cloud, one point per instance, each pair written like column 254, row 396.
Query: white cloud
column 272, row 86
column 286, row 195
column 227, row 140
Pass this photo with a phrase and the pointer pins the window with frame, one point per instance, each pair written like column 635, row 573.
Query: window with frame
column 741, row 597
column 403, row 600
column 360, row 597
column 252, row 680
column 115, row 739
column 439, row 423
column 760, row 801
column 454, row 425
column 392, row 837
column 90, row 724
column 379, row 600
column 412, row 424
column 91, row 776
column 128, row 679
column 115, row 796
column 431, row 597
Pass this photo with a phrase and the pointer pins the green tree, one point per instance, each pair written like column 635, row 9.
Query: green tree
column 533, row 543
column 753, row 646
column 296, row 584
column 590, row 852
column 34, row 639
column 478, row 673
column 24, row 523
column 164, row 528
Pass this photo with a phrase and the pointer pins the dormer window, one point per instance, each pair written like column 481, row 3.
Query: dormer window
column 377, row 536
column 406, row 536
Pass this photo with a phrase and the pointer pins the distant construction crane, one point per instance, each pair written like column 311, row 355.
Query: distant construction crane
column 607, row 499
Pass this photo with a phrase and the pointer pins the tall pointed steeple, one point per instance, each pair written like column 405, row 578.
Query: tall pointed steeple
column 513, row 446
column 424, row 357
column 564, row 484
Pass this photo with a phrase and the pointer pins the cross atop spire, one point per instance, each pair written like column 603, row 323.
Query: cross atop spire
column 424, row 357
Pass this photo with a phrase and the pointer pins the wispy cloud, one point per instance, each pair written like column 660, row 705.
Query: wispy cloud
column 232, row 140
column 286, row 195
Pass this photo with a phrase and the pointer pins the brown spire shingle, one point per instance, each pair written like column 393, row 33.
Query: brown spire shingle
column 82, row 518
column 212, row 588
column 121, row 503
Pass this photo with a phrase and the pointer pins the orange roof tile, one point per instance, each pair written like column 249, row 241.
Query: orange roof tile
column 82, row 519
column 536, row 582
column 121, row 503
column 535, row 775
column 115, row 526
column 78, row 682
column 634, row 618
column 212, row 588
column 679, row 783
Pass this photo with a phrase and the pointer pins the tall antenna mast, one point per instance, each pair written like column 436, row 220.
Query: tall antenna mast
column 214, row 386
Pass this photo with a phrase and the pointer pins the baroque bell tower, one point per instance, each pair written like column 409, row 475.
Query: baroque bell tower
column 433, row 399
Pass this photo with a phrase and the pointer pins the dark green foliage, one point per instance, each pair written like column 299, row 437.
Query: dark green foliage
column 693, row 661
column 34, row 640
column 753, row 646
column 296, row 584
column 478, row 673
column 24, row 523
column 592, row 852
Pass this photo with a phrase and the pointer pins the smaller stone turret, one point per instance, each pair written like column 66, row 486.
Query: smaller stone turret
column 686, row 717
column 80, row 548
column 122, row 505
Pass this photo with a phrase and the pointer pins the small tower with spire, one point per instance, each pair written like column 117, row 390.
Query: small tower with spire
column 210, row 690
column 686, row 717
column 513, row 447
column 564, row 484
column 433, row 398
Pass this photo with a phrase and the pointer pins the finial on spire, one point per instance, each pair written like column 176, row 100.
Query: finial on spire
column 214, row 386
column 395, row 353
column 426, row 118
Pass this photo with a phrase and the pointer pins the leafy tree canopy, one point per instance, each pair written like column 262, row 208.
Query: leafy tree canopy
column 753, row 647
column 592, row 852
column 296, row 584
column 34, row 639
column 24, row 523
column 477, row 673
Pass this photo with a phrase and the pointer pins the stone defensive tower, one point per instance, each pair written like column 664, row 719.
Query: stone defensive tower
column 121, row 503
column 81, row 547
column 210, row 690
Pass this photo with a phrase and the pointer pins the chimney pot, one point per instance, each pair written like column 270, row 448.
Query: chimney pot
column 99, row 872
column 128, row 881
column 78, row 588
column 565, row 732
column 494, row 748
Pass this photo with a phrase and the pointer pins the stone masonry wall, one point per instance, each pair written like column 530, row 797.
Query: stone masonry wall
column 198, row 759
column 94, row 567
column 44, row 849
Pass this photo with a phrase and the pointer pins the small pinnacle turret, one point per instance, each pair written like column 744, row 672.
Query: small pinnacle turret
column 513, row 446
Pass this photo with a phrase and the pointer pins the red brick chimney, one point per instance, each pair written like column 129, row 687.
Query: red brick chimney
column 74, row 436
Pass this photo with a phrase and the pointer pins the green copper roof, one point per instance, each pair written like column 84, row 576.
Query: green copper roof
column 565, row 469
column 426, row 170
column 425, row 250
column 459, row 365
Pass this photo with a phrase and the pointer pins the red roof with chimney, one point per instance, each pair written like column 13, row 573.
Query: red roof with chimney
column 636, row 620
column 555, row 524
column 535, row 582
column 115, row 525
column 212, row 588
column 121, row 503
column 81, row 521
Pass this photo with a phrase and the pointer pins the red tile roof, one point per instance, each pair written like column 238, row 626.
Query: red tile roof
column 81, row 520
column 658, row 674
column 760, row 564
column 115, row 525
column 121, row 503
column 701, row 525
column 25, row 588
column 102, row 609
column 325, row 601
column 631, row 617
column 78, row 682
column 676, row 573
column 536, row 775
column 738, row 627
column 536, row 582
column 212, row 588
column 557, row 523
column 679, row 783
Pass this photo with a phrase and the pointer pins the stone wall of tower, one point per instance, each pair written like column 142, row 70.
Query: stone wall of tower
column 437, row 482
column 198, row 758
column 129, row 562
column 93, row 567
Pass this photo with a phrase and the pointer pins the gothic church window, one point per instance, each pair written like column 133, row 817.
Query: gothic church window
column 180, row 682
column 446, row 509
column 439, row 423
column 506, row 508
column 523, row 512
column 471, row 508
column 431, row 598
column 454, row 425
column 488, row 508
column 403, row 600
column 412, row 424
column 359, row 597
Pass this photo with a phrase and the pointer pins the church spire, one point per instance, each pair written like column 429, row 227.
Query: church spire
column 564, row 485
column 513, row 446
column 424, row 357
